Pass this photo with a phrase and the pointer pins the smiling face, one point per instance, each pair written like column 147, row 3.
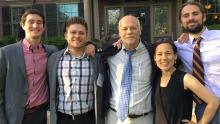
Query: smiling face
column 192, row 19
column 33, row 26
column 165, row 57
column 76, row 36
column 129, row 31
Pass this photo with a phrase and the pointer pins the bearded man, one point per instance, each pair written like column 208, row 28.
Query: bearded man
column 192, row 18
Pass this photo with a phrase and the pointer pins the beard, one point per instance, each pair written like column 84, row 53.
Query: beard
column 198, row 28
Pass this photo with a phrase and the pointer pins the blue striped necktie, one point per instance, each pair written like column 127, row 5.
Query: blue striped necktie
column 125, row 88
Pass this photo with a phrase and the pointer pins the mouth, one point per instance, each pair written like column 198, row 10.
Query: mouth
column 77, row 41
column 130, row 37
column 192, row 26
column 35, row 30
column 164, row 63
column 192, row 22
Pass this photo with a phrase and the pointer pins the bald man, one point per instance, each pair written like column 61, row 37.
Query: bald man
column 113, row 62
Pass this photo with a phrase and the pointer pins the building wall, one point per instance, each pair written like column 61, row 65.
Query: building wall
column 96, row 21
column 148, row 7
column 2, row 3
column 178, row 26
column 173, row 18
column 54, row 25
column 96, row 15
column 1, row 31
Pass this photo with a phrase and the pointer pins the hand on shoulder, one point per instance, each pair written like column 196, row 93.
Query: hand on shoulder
column 184, row 37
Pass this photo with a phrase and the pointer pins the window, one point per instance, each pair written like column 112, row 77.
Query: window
column 16, row 15
column 113, row 16
column 161, row 20
column 51, row 20
column 212, row 8
column 65, row 11
column 55, row 16
column 143, row 14
column 6, row 18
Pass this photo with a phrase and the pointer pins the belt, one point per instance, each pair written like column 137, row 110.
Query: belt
column 136, row 116
column 35, row 108
column 133, row 115
column 76, row 117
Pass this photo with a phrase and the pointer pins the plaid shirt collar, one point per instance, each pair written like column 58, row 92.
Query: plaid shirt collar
column 83, row 56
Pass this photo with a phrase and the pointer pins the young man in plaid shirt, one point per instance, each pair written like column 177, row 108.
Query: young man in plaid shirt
column 72, row 78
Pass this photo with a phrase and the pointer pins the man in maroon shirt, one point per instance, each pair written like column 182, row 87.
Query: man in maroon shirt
column 23, row 85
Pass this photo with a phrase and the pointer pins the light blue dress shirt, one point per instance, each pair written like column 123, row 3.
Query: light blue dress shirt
column 140, row 96
column 210, row 56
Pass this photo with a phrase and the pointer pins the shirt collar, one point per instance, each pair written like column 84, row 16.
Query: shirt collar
column 204, row 35
column 83, row 56
column 27, row 45
column 140, row 45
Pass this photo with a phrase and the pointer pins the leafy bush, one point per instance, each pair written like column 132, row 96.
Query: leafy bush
column 214, row 27
column 7, row 40
column 59, row 42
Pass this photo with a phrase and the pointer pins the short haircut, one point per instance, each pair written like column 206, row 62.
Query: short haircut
column 138, row 22
column 199, row 5
column 31, row 11
column 75, row 20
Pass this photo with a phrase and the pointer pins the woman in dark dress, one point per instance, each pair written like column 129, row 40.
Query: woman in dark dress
column 174, row 89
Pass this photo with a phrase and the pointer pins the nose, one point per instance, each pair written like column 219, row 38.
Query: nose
column 191, row 17
column 77, row 34
column 35, row 24
column 128, row 30
column 164, row 56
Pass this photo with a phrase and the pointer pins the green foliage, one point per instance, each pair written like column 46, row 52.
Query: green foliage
column 59, row 42
column 214, row 27
column 7, row 40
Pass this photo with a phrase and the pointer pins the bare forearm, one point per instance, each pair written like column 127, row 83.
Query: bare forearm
column 209, row 112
